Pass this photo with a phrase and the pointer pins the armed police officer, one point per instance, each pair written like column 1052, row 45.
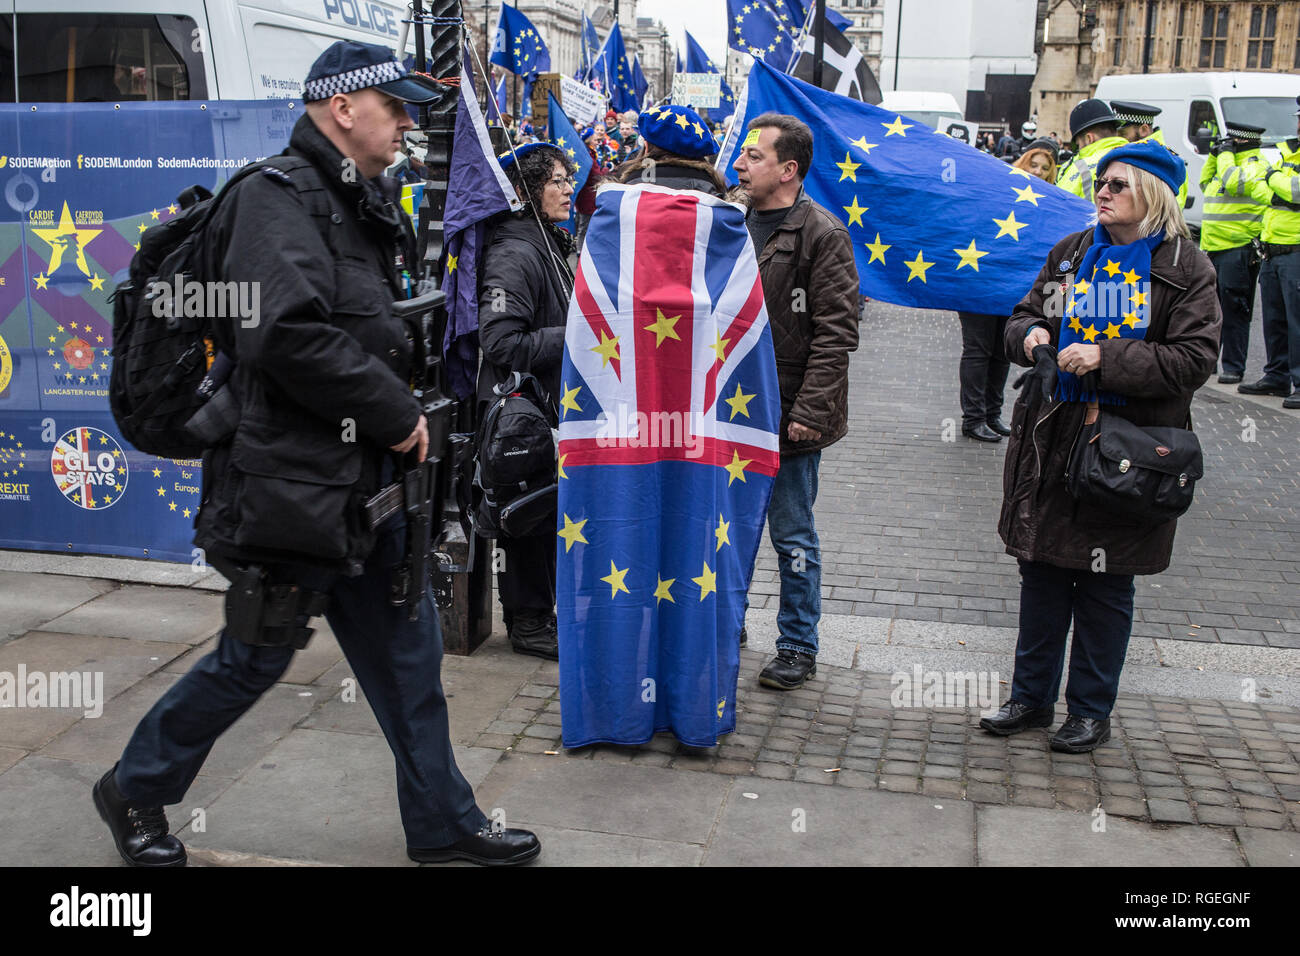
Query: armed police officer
column 1230, row 228
column 1094, row 130
column 325, row 408
column 1137, row 124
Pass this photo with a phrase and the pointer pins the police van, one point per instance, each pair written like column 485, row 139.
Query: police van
column 76, row 51
column 1192, row 101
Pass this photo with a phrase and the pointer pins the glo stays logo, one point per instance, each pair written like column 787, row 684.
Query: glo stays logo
column 89, row 468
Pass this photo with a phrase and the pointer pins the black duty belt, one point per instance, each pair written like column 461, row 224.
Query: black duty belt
column 1273, row 249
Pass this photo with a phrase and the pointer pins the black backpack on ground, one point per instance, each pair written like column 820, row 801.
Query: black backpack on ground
column 161, row 356
column 516, row 459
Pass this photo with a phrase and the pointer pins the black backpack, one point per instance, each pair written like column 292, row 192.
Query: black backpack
column 516, row 458
column 161, row 356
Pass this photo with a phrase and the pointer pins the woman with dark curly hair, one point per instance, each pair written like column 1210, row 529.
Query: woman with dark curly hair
column 524, row 288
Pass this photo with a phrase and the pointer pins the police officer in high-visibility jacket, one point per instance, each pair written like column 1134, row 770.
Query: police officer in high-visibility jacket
column 1137, row 125
column 1279, row 277
column 1230, row 224
column 1095, row 132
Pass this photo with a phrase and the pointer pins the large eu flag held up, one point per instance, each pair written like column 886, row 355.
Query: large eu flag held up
column 935, row 223
column 668, row 448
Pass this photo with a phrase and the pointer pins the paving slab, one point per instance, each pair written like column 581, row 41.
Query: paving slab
column 137, row 570
column 101, row 741
column 600, row 796
column 1025, row 836
column 563, row 846
column 1269, row 847
column 50, row 818
column 324, row 797
column 28, row 600
column 115, row 663
column 10, row 756
column 175, row 615
column 790, row 824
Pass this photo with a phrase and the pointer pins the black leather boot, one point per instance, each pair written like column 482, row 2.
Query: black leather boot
column 1078, row 735
column 533, row 632
column 140, row 833
column 1013, row 717
column 999, row 426
column 488, row 847
column 788, row 670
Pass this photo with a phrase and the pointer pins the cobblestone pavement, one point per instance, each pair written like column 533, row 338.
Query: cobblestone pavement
column 908, row 521
column 1170, row 760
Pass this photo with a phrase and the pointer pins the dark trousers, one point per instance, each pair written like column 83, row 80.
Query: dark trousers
column 1238, row 273
column 1101, row 606
column 526, row 580
column 983, row 369
column 398, row 665
column 1279, row 293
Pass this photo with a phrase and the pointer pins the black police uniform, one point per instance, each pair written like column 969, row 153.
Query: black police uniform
column 326, row 355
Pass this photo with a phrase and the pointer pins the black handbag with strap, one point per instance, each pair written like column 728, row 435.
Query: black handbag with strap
column 1118, row 468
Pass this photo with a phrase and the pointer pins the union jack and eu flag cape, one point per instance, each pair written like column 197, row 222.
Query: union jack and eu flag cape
column 668, row 447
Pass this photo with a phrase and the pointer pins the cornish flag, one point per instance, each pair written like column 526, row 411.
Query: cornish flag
column 668, row 448
column 844, row 71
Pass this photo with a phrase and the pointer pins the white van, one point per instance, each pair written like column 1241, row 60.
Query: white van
column 1189, row 101
column 120, row 50
column 936, row 110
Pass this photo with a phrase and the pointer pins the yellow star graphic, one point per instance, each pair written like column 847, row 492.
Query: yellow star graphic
column 61, row 240
column 1139, row 298
column 570, row 400
column 1018, row 172
column 1112, row 268
column 708, row 582
column 172, row 209
column 855, row 211
column 153, row 213
column 59, row 327
column 1131, row 320
column 720, row 347
column 560, row 466
column 607, row 349
column 1027, row 194
column 848, row 169
column 1076, row 325
column 615, row 580
column 121, row 471
column 862, row 144
column 682, row 121
column 451, row 263
column 663, row 590
column 157, row 473
column 162, row 492
column 970, row 256
column 699, row 130
column 916, row 268
column 897, row 127
column 41, row 281
column 1009, row 226
column 878, row 249
column 739, row 403
column 1131, row 277
column 1112, row 331
column 1082, row 287
column 664, row 327
column 720, row 532
column 143, row 227
column 186, row 512
column 171, row 506
column 736, row 469
column 1090, row 334
column 571, row 532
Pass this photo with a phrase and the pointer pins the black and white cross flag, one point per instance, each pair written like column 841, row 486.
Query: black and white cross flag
column 844, row 71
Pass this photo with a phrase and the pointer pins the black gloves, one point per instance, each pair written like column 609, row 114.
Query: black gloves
column 1044, row 370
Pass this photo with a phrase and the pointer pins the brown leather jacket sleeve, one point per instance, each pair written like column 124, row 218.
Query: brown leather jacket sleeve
column 834, row 302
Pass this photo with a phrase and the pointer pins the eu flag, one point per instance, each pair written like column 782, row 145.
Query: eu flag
column 697, row 61
column 668, row 448
column 477, row 189
column 769, row 30
column 935, row 223
column 560, row 132
column 590, row 44
column 639, row 83
column 518, row 47
column 615, row 72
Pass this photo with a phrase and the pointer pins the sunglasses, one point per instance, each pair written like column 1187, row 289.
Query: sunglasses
column 1116, row 186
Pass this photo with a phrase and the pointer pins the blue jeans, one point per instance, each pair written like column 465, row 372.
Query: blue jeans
column 1101, row 606
column 1279, row 292
column 790, row 524
column 397, row 664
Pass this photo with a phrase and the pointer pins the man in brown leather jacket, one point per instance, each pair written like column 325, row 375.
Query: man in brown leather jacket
column 810, row 284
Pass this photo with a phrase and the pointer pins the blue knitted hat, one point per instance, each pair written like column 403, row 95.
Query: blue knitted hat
column 1158, row 160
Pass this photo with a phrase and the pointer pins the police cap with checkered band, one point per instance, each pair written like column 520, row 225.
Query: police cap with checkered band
column 347, row 66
